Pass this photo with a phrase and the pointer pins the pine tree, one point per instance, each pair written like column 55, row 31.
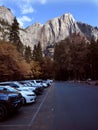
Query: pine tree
column 93, row 59
column 28, row 54
column 34, row 52
column 14, row 35
column 37, row 53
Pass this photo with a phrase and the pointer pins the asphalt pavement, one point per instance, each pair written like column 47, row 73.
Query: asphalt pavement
column 63, row 106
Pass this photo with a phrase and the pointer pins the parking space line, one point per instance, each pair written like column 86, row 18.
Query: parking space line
column 36, row 113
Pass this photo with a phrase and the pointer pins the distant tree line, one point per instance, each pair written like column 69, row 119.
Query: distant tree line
column 15, row 66
column 74, row 59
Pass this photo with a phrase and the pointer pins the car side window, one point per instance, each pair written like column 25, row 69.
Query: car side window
column 14, row 86
column 3, row 89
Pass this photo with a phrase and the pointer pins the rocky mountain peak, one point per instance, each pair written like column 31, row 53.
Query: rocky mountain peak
column 52, row 31
column 6, row 15
column 34, row 27
column 58, row 29
column 68, row 17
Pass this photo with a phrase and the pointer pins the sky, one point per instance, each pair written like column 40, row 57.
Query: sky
column 29, row 12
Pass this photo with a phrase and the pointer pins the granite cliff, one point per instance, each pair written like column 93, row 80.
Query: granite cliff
column 54, row 30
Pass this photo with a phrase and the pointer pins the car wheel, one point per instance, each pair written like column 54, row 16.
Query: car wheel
column 24, row 101
column 3, row 112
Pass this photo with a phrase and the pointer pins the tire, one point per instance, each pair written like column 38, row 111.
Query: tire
column 24, row 101
column 3, row 112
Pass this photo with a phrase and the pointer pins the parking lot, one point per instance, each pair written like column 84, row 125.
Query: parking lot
column 25, row 117
column 63, row 106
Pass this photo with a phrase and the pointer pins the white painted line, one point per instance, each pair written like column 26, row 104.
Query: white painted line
column 36, row 113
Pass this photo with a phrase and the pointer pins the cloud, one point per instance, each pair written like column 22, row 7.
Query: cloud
column 24, row 19
column 35, row 1
column 42, row 1
column 26, row 9
column 30, row 2
column 25, row 6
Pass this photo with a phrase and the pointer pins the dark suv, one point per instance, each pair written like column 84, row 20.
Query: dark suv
column 10, row 101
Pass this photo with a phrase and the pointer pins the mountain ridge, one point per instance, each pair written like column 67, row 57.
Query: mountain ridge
column 52, row 31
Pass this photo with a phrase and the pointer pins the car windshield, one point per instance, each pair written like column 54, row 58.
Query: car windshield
column 11, row 89
column 7, row 88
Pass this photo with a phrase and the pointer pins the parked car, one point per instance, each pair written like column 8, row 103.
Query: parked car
column 27, row 85
column 49, row 82
column 10, row 101
column 37, row 88
column 28, row 96
column 37, row 83
column 42, row 83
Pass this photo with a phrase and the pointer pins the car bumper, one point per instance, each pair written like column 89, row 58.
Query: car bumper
column 31, row 99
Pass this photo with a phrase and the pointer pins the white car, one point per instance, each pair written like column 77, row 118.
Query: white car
column 36, row 83
column 27, row 85
column 34, row 87
column 42, row 83
column 28, row 96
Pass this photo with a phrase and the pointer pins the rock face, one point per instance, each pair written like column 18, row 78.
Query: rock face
column 88, row 30
column 34, row 34
column 53, row 31
column 58, row 29
column 6, row 15
column 6, row 20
